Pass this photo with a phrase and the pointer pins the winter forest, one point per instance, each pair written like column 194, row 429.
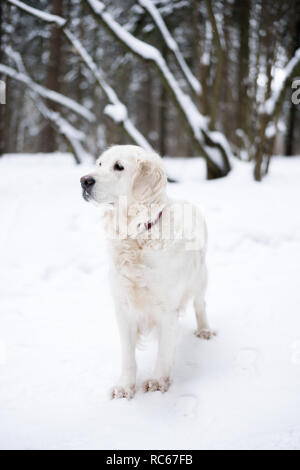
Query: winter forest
column 185, row 77
column 213, row 86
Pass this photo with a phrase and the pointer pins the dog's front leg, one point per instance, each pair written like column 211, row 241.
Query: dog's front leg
column 167, row 336
column 128, row 334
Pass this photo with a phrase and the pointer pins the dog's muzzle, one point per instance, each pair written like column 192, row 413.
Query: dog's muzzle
column 87, row 182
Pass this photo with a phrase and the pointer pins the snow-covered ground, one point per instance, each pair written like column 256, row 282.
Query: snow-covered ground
column 59, row 345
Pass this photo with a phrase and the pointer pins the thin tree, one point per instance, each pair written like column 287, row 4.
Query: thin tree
column 48, row 138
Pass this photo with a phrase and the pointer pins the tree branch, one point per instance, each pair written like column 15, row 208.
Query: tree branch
column 116, row 110
column 73, row 136
column 48, row 94
column 195, row 121
column 273, row 105
column 118, row 117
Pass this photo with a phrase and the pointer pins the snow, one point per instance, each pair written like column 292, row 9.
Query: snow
column 205, row 59
column 59, row 345
column 271, row 130
column 117, row 112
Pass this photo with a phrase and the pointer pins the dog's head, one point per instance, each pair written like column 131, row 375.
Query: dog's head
column 128, row 171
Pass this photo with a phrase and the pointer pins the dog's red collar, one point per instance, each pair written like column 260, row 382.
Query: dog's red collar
column 150, row 224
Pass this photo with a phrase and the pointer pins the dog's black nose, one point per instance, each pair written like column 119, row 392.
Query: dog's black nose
column 87, row 181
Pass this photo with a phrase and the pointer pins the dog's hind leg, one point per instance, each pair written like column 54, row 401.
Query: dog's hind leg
column 203, row 330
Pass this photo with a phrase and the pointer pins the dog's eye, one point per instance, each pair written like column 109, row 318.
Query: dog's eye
column 118, row 167
column 99, row 163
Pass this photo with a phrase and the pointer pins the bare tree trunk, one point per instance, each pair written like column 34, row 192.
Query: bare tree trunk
column 163, row 111
column 149, row 106
column 197, row 49
column 260, row 7
column 264, row 122
column 290, row 137
column 48, row 137
column 80, row 76
column 229, row 124
column 243, row 10
column 265, row 119
column 215, row 102
column 163, row 121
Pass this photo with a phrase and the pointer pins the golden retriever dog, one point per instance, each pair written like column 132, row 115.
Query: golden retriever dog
column 157, row 248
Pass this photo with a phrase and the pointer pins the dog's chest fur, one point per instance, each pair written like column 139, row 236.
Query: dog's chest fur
column 156, row 274
column 153, row 279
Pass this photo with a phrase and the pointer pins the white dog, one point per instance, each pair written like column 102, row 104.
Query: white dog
column 158, row 257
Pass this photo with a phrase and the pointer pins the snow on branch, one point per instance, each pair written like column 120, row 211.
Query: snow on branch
column 116, row 110
column 273, row 104
column 48, row 94
column 72, row 135
column 197, row 123
column 150, row 53
column 40, row 14
column 220, row 48
column 113, row 111
column 172, row 45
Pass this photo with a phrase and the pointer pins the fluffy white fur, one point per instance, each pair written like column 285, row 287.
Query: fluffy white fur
column 157, row 250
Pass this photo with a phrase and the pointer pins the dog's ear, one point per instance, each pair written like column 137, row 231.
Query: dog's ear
column 149, row 181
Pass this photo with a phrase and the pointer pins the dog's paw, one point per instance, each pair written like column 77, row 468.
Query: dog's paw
column 153, row 385
column 118, row 391
column 205, row 333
